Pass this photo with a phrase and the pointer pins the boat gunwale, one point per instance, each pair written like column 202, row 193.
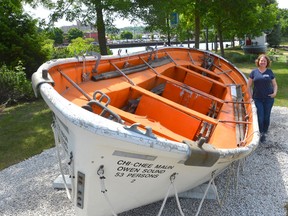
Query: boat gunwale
column 241, row 151
column 55, row 62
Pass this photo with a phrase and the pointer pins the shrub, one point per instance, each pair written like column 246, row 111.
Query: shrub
column 14, row 86
column 60, row 52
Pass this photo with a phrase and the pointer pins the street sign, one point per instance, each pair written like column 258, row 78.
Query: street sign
column 174, row 19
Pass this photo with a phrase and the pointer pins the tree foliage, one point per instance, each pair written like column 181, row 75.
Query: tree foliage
column 283, row 20
column 157, row 15
column 80, row 46
column 126, row 35
column 57, row 35
column 74, row 33
column 253, row 17
column 19, row 38
column 274, row 38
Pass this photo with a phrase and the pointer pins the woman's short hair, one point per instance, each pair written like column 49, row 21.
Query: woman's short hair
column 265, row 56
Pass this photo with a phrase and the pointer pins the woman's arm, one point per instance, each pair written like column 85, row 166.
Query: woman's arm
column 275, row 88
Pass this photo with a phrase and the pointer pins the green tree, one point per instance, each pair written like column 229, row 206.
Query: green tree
column 80, row 46
column 253, row 17
column 274, row 38
column 57, row 35
column 191, row 22
column 112, row 32
column 156, row 15
column 20, row 39
column 48, row 48
column 283, row 19
column 126, row 35
column 74, row 33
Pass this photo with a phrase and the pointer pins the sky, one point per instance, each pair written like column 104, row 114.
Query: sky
column 119, row 23
column 282, row 3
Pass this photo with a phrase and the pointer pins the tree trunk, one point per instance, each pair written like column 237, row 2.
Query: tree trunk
column 216, row 43
column 168, row 32
column 197, row 24
column 197, row 30
column 101, row 31
column 220, row 36
column 188, row 39
column 206, row 39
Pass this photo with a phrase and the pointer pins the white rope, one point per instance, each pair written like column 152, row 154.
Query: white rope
column 208, row 186
column 57, row 139
column 100, row 172
column 229, row 178
column 177, row 200
column 240, row 167
column 164, row 201
column 216, row 193
column 172, row 178
column 233, row 175
column 109, row 203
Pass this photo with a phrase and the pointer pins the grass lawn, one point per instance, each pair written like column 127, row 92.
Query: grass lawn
column 26, row 131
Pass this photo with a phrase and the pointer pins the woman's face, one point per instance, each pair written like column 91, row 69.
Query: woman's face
column 262, row 62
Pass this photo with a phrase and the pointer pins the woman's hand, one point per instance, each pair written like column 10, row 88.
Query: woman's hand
column 272, row 95
column 275, row 88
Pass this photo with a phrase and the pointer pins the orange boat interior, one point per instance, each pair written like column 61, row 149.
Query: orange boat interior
column 186, row 95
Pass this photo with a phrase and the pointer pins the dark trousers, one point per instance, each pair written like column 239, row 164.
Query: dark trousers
column 264, row 107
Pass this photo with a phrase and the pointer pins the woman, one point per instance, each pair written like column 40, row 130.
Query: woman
column 264, row 90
